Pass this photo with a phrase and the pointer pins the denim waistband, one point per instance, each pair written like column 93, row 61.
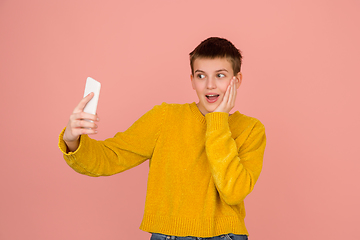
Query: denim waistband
column 230, row 236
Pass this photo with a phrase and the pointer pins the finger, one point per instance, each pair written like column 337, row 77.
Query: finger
column 234, row 92
column 76, row 128
column 84, row 116
column 87, row 131
column 226, row 96
column 231, row 93
column 83, row 124
column 80, row 107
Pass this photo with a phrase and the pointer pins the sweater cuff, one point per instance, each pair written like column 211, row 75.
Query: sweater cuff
column 217, row 120
column 63, row 147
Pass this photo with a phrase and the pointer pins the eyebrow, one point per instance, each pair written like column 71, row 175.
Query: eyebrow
column 220, row 70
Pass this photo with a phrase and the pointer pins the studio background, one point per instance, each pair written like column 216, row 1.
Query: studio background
column 300, row 79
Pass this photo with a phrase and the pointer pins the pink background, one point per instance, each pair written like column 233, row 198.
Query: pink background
column 301, row 79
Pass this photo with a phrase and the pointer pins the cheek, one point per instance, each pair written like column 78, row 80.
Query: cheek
column 223, row 86
column 198, row 87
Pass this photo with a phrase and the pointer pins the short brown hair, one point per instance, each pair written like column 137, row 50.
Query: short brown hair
column 215, row 47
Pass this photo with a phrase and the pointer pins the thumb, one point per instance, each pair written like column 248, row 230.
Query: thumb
column 80, row 107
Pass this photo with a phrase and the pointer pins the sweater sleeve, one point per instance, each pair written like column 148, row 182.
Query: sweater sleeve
column 124, row 151
column 235, row 165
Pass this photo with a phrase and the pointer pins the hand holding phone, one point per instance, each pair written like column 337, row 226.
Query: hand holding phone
column 83, row 118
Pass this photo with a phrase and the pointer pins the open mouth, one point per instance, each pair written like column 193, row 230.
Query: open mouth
column 212, row 97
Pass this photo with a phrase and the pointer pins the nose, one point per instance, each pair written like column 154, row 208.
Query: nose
column 210, row 84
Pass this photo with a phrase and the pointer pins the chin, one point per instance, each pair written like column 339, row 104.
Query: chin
column 211, row 109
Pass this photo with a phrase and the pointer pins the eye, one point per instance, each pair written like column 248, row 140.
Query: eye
column 220, row 75
column 200, row 76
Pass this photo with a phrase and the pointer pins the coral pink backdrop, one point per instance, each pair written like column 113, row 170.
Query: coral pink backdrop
column 301, row 79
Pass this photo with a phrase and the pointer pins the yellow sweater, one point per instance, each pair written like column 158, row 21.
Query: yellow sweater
column 201, row 168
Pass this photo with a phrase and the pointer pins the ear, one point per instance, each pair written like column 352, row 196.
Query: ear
column 192, row 81
column 238, row 79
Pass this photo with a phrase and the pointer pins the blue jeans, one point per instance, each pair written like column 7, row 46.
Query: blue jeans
column 230, row 236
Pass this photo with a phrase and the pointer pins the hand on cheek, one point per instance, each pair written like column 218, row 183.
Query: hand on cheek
column 228, row 101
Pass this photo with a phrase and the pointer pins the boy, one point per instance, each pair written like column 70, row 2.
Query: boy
column 203, row 160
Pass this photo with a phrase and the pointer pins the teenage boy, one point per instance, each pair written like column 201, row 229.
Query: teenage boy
column 203, row 160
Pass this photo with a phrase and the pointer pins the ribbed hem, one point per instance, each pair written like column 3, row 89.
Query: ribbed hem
column 63, row 147
column 182, row 227
column 217, row 120
column 62, row 144
column 198, row 115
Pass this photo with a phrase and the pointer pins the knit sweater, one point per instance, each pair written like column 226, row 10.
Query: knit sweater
column 201, row 167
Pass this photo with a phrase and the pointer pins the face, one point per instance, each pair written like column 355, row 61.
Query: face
column 210, row 81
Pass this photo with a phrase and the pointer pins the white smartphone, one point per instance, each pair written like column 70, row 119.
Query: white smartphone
column 92, row 86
